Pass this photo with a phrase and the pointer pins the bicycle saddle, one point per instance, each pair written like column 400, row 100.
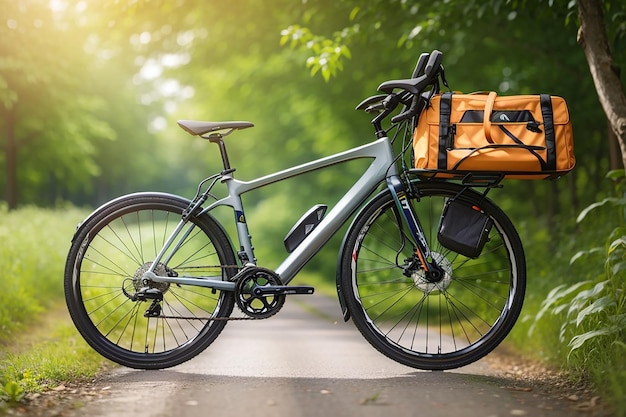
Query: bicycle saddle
column 194, row 127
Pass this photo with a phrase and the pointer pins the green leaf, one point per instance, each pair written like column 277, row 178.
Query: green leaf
column 565, row 290
column 326, row 73
column 314, row 69
column 617, row 243
column 13, row 392
column 584, row 253
column 618, row 268
column 584, row 297
column 555, row 301
column 354, row 12
column 577, row 341
column 594, row 206
column 597, row 306
column 616, row 174
column 345, row 51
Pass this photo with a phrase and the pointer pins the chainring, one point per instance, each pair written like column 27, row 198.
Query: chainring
column 255, row 306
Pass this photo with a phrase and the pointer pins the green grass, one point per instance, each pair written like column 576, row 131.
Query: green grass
column 60, row 357
column 39, row 347
column 32, row 257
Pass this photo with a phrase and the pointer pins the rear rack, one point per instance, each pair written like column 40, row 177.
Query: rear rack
column 470, row 179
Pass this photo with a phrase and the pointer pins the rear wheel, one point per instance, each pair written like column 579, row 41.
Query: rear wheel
column 431, row 325
column 169, row 323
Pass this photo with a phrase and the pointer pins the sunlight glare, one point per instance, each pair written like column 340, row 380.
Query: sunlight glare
column 58, row 6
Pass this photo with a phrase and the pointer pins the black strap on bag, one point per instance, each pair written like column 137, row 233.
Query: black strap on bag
column 548, row 127
column 529, row 148
column 446, row 132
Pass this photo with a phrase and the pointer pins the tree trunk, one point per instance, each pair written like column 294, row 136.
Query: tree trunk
column 615, row 160
column 10, row 159
column 605, row 73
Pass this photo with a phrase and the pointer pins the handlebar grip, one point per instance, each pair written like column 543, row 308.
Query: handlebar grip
column 420, row 65
column 416, row 107
column 434, row 62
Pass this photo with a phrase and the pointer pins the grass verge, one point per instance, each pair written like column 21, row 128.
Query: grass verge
column 48, row 354
column 39, row 347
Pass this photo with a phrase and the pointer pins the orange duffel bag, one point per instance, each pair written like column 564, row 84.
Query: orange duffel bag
column 524, row 137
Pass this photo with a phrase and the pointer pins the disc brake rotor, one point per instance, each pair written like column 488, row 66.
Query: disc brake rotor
column 428, row 287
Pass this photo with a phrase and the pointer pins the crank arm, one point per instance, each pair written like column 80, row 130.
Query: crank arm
column 261, row 291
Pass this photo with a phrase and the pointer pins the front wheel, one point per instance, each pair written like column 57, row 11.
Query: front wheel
column 431, row 325
column 105, row 268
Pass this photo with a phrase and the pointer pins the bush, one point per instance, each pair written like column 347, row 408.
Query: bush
column 591, row 312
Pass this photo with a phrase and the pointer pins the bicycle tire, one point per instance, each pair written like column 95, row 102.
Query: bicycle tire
column 109, row 254
column 423, row 325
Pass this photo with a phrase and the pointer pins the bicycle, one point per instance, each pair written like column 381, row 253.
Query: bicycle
column 151, row 279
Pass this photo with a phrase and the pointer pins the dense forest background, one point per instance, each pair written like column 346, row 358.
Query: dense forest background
column 90, row 92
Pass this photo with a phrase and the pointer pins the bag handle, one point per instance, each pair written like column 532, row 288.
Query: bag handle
column 491, row 99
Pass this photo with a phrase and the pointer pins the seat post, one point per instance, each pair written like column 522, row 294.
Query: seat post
column 217, row 139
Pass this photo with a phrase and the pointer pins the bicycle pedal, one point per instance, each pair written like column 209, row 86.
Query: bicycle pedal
column 282, row 289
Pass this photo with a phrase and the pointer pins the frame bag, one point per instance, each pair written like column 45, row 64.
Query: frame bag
column 523, row 137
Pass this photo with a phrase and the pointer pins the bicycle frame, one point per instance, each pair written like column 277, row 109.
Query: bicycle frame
column 383, row 168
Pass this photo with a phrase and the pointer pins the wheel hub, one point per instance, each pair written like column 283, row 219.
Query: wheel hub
column 426, row 285
column 140, row 283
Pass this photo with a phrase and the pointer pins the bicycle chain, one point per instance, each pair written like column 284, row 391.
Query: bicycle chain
column 213, row 318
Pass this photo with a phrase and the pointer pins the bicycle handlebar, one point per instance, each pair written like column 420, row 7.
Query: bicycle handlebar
column 415, row 86
column 426, row 72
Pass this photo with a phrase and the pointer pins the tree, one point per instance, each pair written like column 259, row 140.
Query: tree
column 592, row 36
column 46, row 118
column 69, row 106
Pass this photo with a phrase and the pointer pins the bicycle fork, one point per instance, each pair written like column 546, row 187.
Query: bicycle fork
column 433, row 272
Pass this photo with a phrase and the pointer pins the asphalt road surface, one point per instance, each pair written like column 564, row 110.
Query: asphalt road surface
column 307, row 362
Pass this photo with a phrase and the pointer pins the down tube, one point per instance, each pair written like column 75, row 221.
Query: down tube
column 340, row 213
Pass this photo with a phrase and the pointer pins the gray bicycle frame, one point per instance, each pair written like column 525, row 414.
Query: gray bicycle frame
column 382, row 168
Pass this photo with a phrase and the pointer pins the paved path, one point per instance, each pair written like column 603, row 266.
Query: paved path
column 307, row 362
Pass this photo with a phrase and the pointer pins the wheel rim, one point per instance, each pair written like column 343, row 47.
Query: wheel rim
column 470, row 310
column 110, row 263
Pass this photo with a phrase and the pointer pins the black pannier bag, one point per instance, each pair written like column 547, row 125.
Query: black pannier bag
column 464, row 229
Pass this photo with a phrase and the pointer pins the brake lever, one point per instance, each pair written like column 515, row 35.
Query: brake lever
column 365, row 104
column 378, row 107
